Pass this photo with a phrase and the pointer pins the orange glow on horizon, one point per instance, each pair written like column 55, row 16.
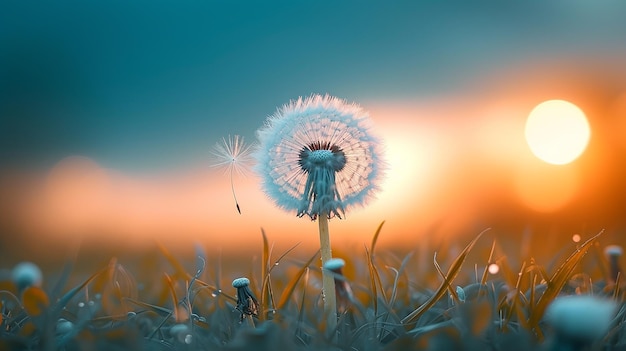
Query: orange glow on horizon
column 546, row 188
column 450, row 162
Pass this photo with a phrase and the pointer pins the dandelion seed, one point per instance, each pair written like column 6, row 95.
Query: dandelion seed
column 234, row 155
column 317, row 157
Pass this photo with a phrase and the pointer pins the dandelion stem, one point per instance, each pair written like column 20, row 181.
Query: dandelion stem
column 328, row 281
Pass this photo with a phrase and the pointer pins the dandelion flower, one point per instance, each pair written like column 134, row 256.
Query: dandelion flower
column 317, row 156
column 234, row 155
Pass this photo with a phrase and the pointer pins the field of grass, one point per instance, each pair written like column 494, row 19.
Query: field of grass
column 187, row 303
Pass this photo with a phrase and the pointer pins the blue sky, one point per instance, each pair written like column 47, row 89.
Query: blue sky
column 145, row 85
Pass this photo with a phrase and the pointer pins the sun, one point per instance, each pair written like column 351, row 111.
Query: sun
column 557, row 131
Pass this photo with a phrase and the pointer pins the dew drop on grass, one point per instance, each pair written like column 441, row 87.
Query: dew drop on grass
column 81, row 304
column 188, row 339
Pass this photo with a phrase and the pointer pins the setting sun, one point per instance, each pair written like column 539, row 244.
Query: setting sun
column 557, row 131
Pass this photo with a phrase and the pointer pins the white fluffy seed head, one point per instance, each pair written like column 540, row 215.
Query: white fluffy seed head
column 613, row 251
column 26, row 274
column 241, row 282
column 580, row 316
column 319, row 145
column 334, row 264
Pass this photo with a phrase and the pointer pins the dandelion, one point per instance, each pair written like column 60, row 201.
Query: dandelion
column 26, row 274
column 234, row 155
column 613, row 253
column 578, row 321
column 317, row 157
column 247, row 304
column 343, row 291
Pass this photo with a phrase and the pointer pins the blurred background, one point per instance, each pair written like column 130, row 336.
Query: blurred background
column 109, row 112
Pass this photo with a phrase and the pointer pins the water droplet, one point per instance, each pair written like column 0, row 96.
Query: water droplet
column 276, row 264
column 81, row 304
column 188, row 339
column 91, row 303
column 213, row 294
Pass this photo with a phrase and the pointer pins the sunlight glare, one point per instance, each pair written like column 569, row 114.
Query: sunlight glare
column 557, row 131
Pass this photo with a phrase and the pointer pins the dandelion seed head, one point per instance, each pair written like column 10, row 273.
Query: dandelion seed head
column 581, row 317
column 334, row 264
column 613, row 251
column 26, row 274
column 241, row 282
column 317, row 155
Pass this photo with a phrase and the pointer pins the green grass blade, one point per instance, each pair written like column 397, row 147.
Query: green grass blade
column 291, row 286
column 178, row 267
column 483, row 279
column 451, row 290
column 441, row 291
column 70, row 294
column 375, row 238
column 266, row 288
column 557, row 281
column 374, row 290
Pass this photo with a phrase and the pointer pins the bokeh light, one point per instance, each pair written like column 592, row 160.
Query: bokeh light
column 493, row 268
column 557, row 131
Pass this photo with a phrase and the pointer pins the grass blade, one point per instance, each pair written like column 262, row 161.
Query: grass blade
column 375, row 238
column 266, row 288
column 483, row 280
column 180, row 270
column 556, row 283
column 373, row 273
column 291, row 286
column 441, row 291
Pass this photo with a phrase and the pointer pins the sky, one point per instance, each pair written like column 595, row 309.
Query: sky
column 130, row 97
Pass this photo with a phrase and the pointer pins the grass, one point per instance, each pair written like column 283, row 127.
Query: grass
column 190, row 305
